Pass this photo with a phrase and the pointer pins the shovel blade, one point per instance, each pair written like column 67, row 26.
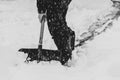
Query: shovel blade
column 46, row 54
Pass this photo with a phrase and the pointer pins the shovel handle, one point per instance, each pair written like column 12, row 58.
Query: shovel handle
column 41, row 31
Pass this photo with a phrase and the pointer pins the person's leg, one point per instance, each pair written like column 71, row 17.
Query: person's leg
column 63, row 36
column 64, row 41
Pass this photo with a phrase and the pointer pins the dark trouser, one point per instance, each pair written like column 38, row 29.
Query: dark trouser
column 65, row 44
column 64, row 39
column 63, row 36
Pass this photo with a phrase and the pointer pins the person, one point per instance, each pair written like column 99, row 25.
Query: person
column 55, row 12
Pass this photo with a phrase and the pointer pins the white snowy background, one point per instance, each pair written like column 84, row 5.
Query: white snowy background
column 99, row 59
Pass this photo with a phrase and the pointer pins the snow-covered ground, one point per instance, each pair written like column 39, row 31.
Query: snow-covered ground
column 98, row 59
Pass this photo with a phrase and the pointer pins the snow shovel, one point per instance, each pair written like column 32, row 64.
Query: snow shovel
column 40, row 54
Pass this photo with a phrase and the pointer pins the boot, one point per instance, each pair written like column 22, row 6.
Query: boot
column 67, row 51
column 65, row 44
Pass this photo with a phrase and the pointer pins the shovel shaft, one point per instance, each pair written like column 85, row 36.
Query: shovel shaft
column 41, row 32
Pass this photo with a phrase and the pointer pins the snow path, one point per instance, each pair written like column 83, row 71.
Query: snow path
column 19, row 27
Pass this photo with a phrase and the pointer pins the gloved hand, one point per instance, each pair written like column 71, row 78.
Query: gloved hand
column 41, row 16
